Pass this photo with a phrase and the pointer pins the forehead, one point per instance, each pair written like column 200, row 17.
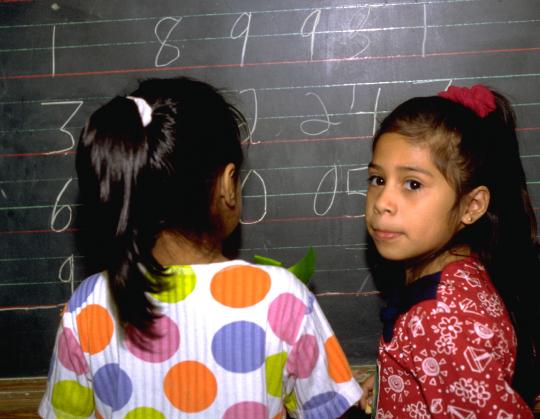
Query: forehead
column 392, row 148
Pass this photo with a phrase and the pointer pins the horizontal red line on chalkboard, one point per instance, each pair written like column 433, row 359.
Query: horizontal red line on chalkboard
column 262, row 63
column 67, row 230
column 255, row 143
column 17, row 1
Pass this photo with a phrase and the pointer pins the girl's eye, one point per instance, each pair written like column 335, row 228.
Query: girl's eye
column 375, row 180
column 412, row 185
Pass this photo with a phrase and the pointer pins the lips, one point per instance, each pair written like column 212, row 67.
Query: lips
column 385, row 235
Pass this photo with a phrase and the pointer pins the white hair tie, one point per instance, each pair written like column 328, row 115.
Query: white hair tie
column 145, row 111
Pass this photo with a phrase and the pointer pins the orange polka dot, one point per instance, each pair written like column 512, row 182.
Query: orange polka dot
column 338, row 366
column 279, row 415
column 240, row 286
column 95, row 328
column 190, row 386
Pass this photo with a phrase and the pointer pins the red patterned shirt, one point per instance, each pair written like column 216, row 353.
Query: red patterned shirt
column 452, row 353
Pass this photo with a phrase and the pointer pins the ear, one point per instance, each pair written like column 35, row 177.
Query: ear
column 476, row 204
column 228, row 185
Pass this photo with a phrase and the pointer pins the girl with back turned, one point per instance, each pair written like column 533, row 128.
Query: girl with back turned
column 454, row 251
column 171, row 327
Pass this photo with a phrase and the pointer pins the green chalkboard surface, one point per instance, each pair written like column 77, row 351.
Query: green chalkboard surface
column 313, row 79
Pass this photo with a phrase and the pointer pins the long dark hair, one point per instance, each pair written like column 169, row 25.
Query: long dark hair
column 136, row 181
column 471, row 151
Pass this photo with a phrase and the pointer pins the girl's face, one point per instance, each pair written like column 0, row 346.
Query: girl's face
column 409, row 202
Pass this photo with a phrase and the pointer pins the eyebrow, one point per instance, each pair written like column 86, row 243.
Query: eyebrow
column 414, row 169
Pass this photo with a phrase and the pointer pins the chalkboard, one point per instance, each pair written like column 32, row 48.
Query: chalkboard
column 313, row 79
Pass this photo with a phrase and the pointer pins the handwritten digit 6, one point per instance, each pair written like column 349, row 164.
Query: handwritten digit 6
column 57, row 209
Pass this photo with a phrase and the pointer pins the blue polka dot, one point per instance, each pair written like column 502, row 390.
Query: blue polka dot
column 239, row 346
column 113, row 386
column 326, row 406
column 311, row 300
column 82, row 292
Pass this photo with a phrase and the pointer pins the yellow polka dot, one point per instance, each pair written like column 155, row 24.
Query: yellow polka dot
column 179, row 283
column 144, row 413
column 69, row 398
column 290, row 402
column 274, row 365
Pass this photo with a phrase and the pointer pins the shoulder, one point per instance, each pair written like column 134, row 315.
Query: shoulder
column 93, row 290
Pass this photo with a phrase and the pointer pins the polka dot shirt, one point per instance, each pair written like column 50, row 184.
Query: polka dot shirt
column 234, row 340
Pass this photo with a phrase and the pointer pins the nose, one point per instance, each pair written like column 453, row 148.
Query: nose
column 384, row 200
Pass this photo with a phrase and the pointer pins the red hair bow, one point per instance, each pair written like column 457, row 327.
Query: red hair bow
column 478, row 98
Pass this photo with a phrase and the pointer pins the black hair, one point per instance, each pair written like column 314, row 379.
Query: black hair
column 471, row 151
column 137, row 181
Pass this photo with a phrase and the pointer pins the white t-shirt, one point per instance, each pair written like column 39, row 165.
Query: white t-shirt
column 235, row 340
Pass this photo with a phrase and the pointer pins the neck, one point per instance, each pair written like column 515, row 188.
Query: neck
column 416, row 269
column 174, row 249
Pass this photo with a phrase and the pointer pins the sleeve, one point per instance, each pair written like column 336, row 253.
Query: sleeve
column 461, row 366
column 69, row 392
column 318, row 380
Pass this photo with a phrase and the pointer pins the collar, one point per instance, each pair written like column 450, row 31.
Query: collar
column 402, row 299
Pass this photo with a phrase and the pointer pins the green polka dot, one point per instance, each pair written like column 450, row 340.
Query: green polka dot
column 290, row 402
column 274, row 365
column 69, row 399
column 179, row 283
column 144, row 413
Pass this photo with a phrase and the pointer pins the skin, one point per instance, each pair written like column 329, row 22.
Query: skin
column 172, row 248
column 410, row 206
column 411, row 212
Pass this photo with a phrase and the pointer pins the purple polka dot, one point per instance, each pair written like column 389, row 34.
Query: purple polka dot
column 239, row 346
column 246, row 410
column 70, row 353
column 113, row 386
column 326, row 405
column 158, row 348
column 303, row 357
column 311, row 300
column 82, row 292
column 285, row 316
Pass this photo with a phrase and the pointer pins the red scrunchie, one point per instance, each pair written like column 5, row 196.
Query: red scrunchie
column 478, row 98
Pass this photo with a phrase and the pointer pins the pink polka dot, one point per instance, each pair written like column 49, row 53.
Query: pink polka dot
column 70, row 353
column 285, row 316
column 303, row 357
column 157, row 347
column 246, row 410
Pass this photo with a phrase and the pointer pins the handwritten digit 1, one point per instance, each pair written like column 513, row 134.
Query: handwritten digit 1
column 265, row 207
column 163, row 42
column 375, row 110
column 255, row 117
column 63, row 129
column 244, row 33
column 317, row 212
column 424, row 38
column 316, row 16
column 326, row 121
column 57, row 209
column 68, row 265
column 53, row 52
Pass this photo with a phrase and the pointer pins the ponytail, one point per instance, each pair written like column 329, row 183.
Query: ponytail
column 112, row 155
